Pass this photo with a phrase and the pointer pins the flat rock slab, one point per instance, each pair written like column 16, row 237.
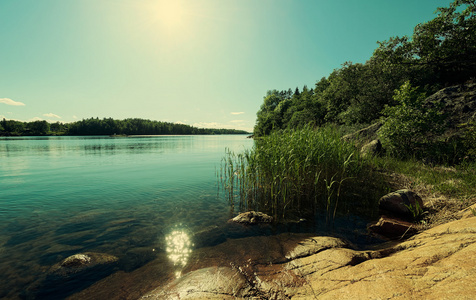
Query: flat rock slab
column 208, row 283
column 439, row 263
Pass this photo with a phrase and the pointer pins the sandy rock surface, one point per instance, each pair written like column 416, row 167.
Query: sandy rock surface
column 439, row 263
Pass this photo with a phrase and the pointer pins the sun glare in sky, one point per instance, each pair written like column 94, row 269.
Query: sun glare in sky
column 170, row 15
column 197, row 62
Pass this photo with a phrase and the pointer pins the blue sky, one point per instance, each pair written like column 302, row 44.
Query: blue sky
column 206, row 63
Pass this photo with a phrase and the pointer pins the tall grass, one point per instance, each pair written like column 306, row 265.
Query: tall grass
column 294, row 173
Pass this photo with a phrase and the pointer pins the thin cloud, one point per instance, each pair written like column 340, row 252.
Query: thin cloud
column 208, row 125
column 237, row 113
column 9, row 101
column 36, row 119
column 51, row 115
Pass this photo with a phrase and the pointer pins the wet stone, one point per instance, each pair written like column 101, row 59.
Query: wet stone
column 252, row 217
column 82, row 262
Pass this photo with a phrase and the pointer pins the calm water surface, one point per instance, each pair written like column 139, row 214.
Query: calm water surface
column 129, row 197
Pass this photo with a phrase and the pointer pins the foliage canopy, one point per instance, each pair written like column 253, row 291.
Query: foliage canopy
column 441, row 52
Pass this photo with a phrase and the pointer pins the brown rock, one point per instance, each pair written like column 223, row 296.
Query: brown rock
column 400, row 202
column 392, row 228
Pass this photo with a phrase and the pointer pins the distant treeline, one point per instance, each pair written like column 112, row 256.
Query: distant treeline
column 106, row 126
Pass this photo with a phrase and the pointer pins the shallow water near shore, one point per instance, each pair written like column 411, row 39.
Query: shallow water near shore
column 136, row 198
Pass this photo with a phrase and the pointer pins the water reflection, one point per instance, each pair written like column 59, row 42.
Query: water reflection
column 179, row 247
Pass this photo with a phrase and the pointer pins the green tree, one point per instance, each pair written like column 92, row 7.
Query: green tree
column 441, row 51
column 39, row 127
column 446, row 45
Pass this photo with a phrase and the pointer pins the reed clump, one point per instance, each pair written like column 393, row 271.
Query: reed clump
column 296, row 173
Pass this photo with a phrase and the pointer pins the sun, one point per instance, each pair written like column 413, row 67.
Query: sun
column 170, row 14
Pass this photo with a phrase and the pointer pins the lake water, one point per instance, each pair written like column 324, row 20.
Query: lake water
column 132, row 198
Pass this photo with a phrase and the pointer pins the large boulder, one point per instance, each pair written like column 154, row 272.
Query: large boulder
column 252, row 217
column 364, row 135
column 404, row 203
column 459, row 104
column 371, row 149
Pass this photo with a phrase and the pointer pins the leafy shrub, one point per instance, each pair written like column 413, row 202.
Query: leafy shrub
column 410, row 124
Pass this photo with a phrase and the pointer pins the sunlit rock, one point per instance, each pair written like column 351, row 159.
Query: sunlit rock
column 76, row 260
column 468, row 212
column 314, row 245
column 208, row 283
column 252, row 217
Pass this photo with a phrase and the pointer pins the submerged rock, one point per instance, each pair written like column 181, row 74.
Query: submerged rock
column 76, row 260
column 72, row 274
column 82, row 262
column 252, row 217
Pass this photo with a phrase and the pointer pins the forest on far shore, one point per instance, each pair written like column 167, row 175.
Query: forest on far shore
column 106, row 126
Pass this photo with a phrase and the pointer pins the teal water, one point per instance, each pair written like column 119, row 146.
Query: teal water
column 65, row 195
column 135, row 198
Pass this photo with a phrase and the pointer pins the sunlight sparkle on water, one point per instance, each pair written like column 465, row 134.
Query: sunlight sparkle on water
column 178, row 248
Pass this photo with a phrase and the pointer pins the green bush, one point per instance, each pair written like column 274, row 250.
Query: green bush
column 410, row 124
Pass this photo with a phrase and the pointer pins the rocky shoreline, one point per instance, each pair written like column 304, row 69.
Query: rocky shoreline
column 438, row 263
